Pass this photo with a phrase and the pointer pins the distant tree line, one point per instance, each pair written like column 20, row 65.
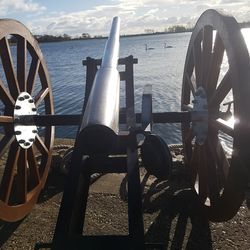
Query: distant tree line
column 51, row 38
column 171, row 29
column 178, row 29
column 60, row 38
column 84, row 36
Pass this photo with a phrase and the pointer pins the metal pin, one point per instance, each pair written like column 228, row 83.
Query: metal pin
column 31, row 101
column 20, row 98
column 21, row 141
column 26, row 97
column 17, row 107
column 18, row 132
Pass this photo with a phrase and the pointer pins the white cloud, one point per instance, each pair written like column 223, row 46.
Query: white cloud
column 136, row 15
column 152, row 11
column 231, row 1
column 8, row 6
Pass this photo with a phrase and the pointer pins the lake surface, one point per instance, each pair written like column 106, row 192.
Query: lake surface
column 161, row 67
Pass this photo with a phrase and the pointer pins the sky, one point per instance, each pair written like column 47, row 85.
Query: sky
column 74, row 17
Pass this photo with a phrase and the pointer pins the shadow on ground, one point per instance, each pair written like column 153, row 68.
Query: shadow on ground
column 180, row 222
column 6, row 230
column 53, row 186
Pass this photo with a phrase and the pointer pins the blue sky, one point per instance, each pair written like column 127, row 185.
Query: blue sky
column 75, row 17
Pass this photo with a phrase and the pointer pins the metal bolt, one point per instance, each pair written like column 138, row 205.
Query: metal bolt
column 34, row 109
column 18, row 132
column 21, row 141
column 26, row 97
column 26, row 144
column 34, row 131
column 31, row 139
column 31, row 100
column 20, row 98
column 17, row 107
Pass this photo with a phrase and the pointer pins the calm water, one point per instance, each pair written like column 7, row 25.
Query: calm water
column 163, row 68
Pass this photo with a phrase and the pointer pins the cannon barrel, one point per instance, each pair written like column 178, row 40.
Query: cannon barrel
column 100, row 123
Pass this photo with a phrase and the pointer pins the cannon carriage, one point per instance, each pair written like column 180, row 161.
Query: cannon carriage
column 211, row 96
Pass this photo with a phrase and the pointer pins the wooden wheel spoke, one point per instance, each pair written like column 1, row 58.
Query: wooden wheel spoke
column 21, row 63
column 33, row 71
column 187, row 139
column 41, row 146
column 40, row 96
column 33, row 166
column 193, row 164
column 6, row 119
column 197, row 63
column 218, row 49
column 22, row 176
column 219, row 156
column 223, row 126
column 5, row 143
column 202, row 173
column 43, row 77
column 206, row 53
column 9, row 172
column 5, row 96
column 221, row 92
column 189, row 136
column 214, row 68
column 9, row 68
column 191, row 84
column 213, row 185
column 223, row 163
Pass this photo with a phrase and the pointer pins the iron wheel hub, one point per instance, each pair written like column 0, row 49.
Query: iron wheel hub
column 25, row 135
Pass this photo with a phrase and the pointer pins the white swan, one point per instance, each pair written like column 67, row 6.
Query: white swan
column 167, row 46
column 148, row 48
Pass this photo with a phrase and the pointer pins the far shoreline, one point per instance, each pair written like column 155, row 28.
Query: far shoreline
column 64, row 38
column 105, row 37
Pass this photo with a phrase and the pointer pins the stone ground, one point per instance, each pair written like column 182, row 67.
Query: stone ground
column 170, row 210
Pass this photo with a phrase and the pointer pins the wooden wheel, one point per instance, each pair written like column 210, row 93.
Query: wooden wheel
column 25, row 159
column 218, row 61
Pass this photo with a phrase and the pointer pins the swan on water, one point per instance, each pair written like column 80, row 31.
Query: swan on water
column 167, row 46
column 148, row 48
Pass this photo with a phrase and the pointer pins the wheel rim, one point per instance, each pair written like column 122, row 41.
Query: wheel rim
column 23, row 172
column 218, row 179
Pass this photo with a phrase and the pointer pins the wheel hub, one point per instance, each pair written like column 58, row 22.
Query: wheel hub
column 25, row 105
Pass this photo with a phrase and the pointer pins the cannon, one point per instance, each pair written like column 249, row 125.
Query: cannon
column 214, row 100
